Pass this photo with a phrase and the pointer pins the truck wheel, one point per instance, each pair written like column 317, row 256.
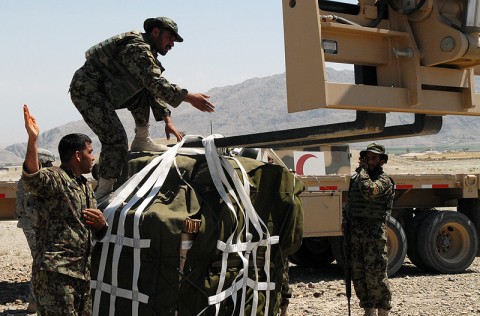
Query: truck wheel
column 412, row 237
column 396, row 245
column 315, row 252
column 447, row 242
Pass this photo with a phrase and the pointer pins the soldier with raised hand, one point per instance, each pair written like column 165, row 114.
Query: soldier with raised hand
column 27, row 211
column 369, row 204
column 123, row 72
column 68, row 221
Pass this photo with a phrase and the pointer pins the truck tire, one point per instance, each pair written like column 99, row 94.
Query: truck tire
column 447, row 242
column 315, row 252
column 396, row 245
column 412, row 237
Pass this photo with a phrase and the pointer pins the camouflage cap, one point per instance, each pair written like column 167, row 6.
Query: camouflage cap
column 45, row 156
column 164, row 22
column 376, row 149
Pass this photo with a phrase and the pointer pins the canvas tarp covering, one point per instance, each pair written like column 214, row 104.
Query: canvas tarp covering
column 274, row 195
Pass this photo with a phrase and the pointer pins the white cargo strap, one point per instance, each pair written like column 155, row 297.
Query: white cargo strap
column 151, row 187
column 216, row 166
column 121, row 194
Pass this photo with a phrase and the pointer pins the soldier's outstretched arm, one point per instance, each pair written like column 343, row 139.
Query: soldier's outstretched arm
column 31, row 160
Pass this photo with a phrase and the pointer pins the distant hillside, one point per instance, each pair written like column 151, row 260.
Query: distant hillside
column 257, row 105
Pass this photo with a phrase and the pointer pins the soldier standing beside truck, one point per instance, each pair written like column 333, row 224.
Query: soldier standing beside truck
column 67, row 224
column 123, row 72
column 26, row 211
column 370, row 202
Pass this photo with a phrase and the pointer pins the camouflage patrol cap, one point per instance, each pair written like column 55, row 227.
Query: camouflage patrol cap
column 163, row 22
column 45, row 156
column 376, row 149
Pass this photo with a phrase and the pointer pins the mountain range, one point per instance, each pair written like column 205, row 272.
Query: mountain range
column 259, row 105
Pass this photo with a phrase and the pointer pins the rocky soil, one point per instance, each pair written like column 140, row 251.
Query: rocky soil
column 15, row 263
column 315, row 292
column 415, row 293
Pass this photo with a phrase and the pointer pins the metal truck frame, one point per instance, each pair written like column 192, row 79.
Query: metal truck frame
column 409, row 56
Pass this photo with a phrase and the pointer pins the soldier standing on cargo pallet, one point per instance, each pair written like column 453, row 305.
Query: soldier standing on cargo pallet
column 67, row 223
column 26, row 212
column 369, row 204
column 123, row 72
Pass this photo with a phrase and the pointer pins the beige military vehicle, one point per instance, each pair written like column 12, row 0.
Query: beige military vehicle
column 409, row 56
column 443, row 241
column 416, row 57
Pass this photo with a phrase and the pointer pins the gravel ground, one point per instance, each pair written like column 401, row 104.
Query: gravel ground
column 315, row 292
column 322, row 292
column 15, row 263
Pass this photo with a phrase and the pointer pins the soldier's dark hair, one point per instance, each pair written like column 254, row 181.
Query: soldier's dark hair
column 71, row 143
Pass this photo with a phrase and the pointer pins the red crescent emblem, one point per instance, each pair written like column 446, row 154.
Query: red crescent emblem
column 301, row 162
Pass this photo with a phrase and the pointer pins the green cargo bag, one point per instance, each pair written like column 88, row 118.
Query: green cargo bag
column 150, row 263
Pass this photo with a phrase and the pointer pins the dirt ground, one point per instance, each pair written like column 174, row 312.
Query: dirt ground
column 436, row 163
column 315, row 291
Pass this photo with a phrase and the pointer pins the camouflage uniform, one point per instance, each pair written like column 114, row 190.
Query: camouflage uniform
column 61, row 267
column 370, row 203
column 121, row 72
column 26, row 210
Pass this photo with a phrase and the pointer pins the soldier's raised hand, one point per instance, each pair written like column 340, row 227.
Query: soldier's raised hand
column 30, row 123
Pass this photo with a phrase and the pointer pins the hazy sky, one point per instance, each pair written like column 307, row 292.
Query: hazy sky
column 226, row 42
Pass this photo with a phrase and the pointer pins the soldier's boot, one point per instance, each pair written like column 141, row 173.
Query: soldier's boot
column 143, row 142
column 369, row 311
column 103, row 192
column 382, row 312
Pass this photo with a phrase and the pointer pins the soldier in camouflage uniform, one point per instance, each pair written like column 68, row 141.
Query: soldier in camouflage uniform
column 369, row 204
column 26, row 211
column 123, row 72
column 68, row 221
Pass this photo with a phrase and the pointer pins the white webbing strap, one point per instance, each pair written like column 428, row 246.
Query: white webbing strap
column 252, row 215
column 254, row 284
column 246, row 246
column 216, row 166
column 218, row 178
column 124, row 293
column 121, row 194
column 151, row 187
